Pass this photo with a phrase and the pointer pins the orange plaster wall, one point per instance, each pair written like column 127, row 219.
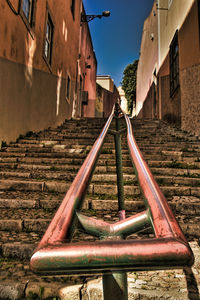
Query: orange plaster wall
column 33, row 94
column 18, row 43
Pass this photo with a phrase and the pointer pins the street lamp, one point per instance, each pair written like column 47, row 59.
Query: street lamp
column 88, row 18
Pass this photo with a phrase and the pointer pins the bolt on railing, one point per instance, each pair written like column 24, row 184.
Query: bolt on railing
column 113, row 256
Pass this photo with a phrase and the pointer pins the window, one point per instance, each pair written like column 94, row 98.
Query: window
column 174, row 64
column 80, row 86
column 27, row 8
column 27, row 13
column 68, row 87
column 73, row 8
column 48, row 43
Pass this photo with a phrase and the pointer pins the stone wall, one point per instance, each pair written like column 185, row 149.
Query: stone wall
column 190, row 99
column 149, row 109
column 170, row 106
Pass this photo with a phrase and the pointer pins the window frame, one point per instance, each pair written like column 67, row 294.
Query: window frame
column 48, row 20
column 30, row 20
column 174, row 64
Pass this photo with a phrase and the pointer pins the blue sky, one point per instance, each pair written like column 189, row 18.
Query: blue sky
column 117, row 39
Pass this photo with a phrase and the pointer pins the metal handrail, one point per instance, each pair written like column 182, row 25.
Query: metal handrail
column 153, row 196
column 168, row 249
column 59, row 228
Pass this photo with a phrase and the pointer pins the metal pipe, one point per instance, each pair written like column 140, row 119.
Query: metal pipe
column 121, row 228
column 118, row 156
column 162, row 218
column 104, row 256
column 62, row 225
column 115, row 286
column 168, row 249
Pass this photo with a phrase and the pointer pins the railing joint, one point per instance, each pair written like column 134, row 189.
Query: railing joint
column 116, row 132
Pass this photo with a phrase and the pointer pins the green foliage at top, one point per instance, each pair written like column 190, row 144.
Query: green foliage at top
column 129, row 84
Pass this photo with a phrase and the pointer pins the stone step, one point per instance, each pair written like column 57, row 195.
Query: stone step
column 54, row 156
column 106, row 154
column 58, row 174
column 105, row 165
column 173, row 164
column 21, row 244
column 38, row 186
column 24, row 225
column 39, row 205
column 143, row 143
column 40, row 175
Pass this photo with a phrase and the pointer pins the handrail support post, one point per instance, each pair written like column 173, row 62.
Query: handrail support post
column 118, row 157
column 115, row 285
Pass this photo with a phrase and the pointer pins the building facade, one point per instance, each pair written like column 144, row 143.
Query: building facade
column 41, row 77
column 87, row 69
column 175, row 93
column 106, row 96
column 148, row 62
column 123, row 100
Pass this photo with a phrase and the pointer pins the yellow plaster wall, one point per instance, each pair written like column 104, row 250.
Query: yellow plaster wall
column 169, row 21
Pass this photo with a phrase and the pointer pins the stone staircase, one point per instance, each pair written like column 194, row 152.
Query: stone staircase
column 36, row 172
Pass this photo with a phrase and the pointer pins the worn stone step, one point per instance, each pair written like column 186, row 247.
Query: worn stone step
column 177, row 181
column 53, row 157
column 176, row 172
column 18, row 250
column 173, row 164
column 12, row 247
column 185, row 205
column 70, row 164
column 25, row 225
column 21, row 185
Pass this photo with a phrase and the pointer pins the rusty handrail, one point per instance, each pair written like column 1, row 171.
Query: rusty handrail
column 168, row 249
column 153, row 196
column 59, row 228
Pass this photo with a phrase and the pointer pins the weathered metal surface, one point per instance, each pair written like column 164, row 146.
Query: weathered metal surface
column 62, row 225
column 118, row 157
column 103, row 256
column 168, row 250
column 162, row 218
column 123, row 227
column 115, row 286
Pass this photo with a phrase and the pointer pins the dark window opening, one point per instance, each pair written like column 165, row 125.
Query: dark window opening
column 68, row 85
column 80, row 87
column 48, row 39
column 73, row 8
column 174, row 64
